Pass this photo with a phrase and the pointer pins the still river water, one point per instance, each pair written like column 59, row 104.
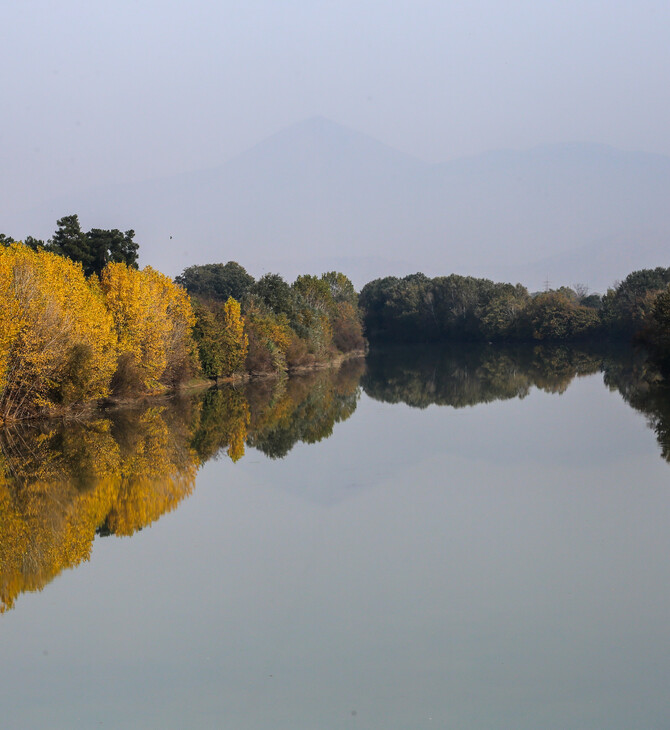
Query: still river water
column 431, row 539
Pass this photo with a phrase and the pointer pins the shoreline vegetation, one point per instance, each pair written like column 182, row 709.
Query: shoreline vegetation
column 83, row 325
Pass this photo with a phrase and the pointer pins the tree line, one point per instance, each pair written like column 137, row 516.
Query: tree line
column 82, row 322
column 417, row 308
column 269, row 325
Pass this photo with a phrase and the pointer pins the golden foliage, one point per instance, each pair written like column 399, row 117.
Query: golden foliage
column 153, row 320
column 61, row 484
column 154, row 477
column 235, row 340
column 57, row 345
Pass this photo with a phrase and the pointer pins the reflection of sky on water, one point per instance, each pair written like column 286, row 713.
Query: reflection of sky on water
column 497, row 566
column 385, row 441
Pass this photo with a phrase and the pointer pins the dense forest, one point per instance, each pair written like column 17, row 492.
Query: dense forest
column 82, row 323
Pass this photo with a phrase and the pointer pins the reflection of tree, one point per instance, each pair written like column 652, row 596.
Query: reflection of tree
column 59, row 485
column 155, row 476
column 221, row 423
column 273, row 415
column 644, row 387
column 304, row 409
column 466, row 375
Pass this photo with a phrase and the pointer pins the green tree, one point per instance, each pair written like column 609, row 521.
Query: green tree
column 276, row 295
column 499, row 316
column 374, row 304
column 626, row 309
column 660, row 327
column 216, row 281
column 33, row 243
column 111, row 246
column 341, row 288
column 553, row 316
column 208, row 335
column 94, row 249
column 70, row 241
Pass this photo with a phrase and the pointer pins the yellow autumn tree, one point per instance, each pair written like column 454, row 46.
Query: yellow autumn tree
column 235, row 340
column 153, row 320
column 57, row 345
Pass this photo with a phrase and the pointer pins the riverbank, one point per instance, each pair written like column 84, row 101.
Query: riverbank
column 83, row 411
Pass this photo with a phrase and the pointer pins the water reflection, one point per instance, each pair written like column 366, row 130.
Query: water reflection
column 63, row 483
column 468, row 375
column 644, row 388
column 273, row 415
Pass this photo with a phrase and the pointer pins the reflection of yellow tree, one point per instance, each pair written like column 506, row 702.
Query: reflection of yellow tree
column 46, row 527
column 60, row 485
column 154, row 478
column 57, row 488
column 222, row 423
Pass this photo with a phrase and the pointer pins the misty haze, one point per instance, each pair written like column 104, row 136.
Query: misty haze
column 318, row 196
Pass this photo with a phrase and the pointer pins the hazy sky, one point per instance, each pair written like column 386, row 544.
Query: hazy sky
column 95, row 92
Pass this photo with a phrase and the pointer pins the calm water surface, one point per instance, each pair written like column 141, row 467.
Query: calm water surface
column 450, row 540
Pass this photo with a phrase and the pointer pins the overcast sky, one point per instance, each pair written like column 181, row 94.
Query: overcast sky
column 94, row 92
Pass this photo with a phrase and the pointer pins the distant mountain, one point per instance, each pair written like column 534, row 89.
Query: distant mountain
column 319, row 196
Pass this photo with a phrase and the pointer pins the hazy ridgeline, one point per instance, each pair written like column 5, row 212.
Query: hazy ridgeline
column 319, row 196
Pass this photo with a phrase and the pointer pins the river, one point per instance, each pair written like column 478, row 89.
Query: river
column 469, row 538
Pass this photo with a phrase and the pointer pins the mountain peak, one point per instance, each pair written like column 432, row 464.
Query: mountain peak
column 320, row 137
